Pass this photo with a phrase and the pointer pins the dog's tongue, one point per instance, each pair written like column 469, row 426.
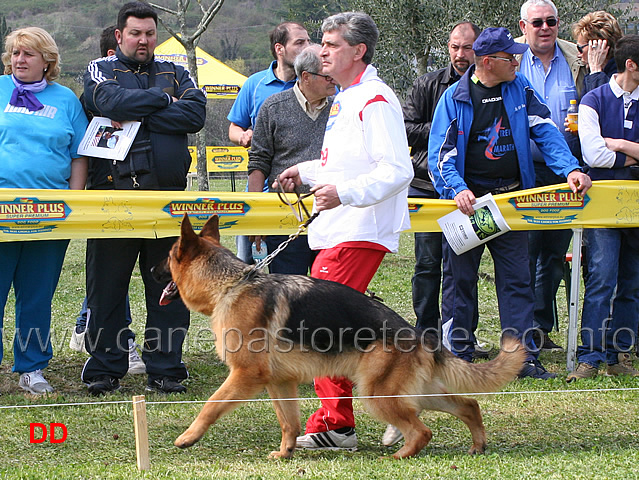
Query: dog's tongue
column 168, row 293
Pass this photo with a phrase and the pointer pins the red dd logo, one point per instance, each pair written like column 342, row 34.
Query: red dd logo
column 41, row 430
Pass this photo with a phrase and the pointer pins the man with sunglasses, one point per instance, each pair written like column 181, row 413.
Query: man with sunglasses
column 289, row 129
column 480, row 143
column 555, row 71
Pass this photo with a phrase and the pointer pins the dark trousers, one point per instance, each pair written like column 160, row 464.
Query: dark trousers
column 110, row 263
column 296, row 259
column 547, row 250
column 514, row 292
column 432, row 272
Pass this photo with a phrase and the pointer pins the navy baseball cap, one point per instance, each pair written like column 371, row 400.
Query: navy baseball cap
column 493, row 40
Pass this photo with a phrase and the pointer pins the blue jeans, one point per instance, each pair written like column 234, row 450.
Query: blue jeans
column 514, row 292
column 33, row 268
column 613, row 261
column 243, row 245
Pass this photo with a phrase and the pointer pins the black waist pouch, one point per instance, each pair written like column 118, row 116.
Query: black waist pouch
column 137, row 170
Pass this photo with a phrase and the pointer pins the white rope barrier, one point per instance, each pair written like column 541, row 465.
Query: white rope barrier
column 368, row 397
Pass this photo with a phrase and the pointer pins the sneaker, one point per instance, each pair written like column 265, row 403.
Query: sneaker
column 583, row 370
column 330, row 440
column 34, row 382
column 534, row 369
column 391, row 436
column 165, row 385
column 77, row 340
column 136, row 365
column 103, row 384
column 624, row 367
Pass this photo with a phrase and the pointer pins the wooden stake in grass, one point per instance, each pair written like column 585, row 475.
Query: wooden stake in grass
column 141, row 432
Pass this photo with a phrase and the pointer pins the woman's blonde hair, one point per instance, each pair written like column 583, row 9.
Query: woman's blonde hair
column 598, row 25
column 39, row 40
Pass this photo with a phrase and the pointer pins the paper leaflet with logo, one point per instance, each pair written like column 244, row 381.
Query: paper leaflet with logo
column 465, row 232
column 104, row 140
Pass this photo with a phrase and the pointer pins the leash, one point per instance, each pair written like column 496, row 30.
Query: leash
column 300, row 213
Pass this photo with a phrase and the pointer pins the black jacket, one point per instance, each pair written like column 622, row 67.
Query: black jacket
column 122, row 89
column 418, row 114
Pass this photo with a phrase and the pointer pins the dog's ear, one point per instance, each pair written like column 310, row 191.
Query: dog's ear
column 188, row 238
column 211, row 228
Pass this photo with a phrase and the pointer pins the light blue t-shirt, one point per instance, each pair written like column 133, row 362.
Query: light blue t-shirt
column 36, row 148
column 555, row 86
column 257, row 88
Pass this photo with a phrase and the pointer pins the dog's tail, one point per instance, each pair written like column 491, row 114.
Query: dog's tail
column 460, row 376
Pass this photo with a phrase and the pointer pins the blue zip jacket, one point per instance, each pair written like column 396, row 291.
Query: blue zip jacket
column 529, row 119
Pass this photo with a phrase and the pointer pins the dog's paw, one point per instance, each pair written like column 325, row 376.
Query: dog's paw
column 277, row 455
column 477, row 449
column 184, row 441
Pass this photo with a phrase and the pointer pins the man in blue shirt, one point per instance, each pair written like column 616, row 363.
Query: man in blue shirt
column 288, row 40
column 555, row 71
column 608, row 130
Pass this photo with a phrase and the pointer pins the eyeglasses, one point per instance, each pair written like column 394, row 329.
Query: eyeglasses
column 328, row 78
column 538, row 22
column 581, row 47
column 509, row 60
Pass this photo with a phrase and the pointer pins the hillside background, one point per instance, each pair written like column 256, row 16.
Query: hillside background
column 412, row 41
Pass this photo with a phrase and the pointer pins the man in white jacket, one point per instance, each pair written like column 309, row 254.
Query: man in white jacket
column 360, row 185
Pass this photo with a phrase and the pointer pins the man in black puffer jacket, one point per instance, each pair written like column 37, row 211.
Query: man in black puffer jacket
column 133, row 85
column 418, row 113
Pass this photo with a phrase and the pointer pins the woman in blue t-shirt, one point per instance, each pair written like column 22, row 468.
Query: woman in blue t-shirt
column 41, row 125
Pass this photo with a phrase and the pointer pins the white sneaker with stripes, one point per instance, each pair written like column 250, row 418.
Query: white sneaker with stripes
column 330, row 440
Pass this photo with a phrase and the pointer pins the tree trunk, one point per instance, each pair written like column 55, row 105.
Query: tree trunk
column 202, row 172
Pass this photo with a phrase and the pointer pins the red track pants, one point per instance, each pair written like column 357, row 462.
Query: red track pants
column 355, row 267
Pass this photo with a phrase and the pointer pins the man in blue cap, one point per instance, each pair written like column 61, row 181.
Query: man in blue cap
column 480, row 143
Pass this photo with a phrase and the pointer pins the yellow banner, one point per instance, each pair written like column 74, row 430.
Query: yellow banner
column 222, row 159
column 55, row 214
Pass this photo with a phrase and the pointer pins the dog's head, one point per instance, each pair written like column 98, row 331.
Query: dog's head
column 178, row 267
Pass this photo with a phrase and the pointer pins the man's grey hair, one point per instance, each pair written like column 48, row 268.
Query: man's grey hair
column 308, row 61
column 530, row 3
column 356, row 28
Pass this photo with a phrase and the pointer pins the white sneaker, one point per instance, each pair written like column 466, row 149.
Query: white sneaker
column 136, row 365
column 330, row 440
column 34, row 382
column 391, row 436
column 77, row 341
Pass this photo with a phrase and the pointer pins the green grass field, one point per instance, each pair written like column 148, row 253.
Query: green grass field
column 535, row 429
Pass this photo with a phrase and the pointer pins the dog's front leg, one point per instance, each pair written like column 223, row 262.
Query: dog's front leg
column 288, row 414
column 241, row 384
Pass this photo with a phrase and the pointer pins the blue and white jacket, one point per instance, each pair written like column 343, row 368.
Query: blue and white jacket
column 529, row 119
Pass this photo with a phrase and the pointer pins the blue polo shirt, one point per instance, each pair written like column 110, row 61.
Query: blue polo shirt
column 556, row 87
column 257, row 88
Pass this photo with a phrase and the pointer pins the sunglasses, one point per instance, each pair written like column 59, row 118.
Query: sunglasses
column 538, row 22
column 328, row 78
column 509, row 60
column 581, row 47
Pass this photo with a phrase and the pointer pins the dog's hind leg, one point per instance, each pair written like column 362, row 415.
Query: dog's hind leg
column 288, row 414
column 402, row 414
column 241, row 384
column 467, row 410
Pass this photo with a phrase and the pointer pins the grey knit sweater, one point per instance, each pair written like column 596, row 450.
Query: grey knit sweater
column 285, row 135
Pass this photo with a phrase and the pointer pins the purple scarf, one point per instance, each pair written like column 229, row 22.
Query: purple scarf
column 23, row 94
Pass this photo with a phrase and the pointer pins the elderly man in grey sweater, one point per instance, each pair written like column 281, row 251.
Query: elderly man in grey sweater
column 290, row 129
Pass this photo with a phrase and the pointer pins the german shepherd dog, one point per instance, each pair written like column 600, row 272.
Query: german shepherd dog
column 277, row 331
